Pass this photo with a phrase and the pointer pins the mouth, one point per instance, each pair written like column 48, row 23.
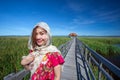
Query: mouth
column 39, row 40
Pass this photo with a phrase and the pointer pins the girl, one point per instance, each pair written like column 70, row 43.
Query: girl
column 44, row 60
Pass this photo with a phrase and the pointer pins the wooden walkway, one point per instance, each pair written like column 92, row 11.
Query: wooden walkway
column 69, row 68
column 82, row 69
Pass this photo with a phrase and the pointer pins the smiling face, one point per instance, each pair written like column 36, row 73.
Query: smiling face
column 39, row 36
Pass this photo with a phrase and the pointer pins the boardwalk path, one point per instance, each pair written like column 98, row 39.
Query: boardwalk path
column 69, row 68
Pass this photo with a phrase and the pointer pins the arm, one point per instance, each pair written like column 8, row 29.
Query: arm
column 57, row 70
column 27, row 60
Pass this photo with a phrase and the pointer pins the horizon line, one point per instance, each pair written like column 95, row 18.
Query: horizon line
column 67, row 35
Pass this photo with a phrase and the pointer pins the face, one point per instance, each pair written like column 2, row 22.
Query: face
column 41, row 36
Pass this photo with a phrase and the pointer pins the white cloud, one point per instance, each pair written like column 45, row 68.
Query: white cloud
column 64, row 30
column 81, row 20
column 78, row 21
column 106, row 16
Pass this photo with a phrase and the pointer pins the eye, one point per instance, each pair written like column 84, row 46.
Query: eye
column 41, row 33
column 36, row 33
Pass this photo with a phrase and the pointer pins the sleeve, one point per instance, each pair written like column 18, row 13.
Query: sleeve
column 30, row 51
column 57, row 59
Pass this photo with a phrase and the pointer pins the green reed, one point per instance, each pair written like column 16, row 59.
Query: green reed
column 104, row 46
column 13, row 48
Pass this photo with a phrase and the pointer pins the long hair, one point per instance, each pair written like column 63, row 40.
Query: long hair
column 33, row 38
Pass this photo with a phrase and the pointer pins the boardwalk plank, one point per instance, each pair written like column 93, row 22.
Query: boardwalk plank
column 69, row 67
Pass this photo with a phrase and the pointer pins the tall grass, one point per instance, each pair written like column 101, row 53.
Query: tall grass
column 104, row 46
column 13, row 48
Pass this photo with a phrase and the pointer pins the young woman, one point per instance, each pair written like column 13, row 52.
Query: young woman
column 44, row 60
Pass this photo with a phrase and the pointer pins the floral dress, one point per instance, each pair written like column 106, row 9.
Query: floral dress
column 45, row 71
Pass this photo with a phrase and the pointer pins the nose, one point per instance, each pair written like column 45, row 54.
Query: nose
column 38, row 36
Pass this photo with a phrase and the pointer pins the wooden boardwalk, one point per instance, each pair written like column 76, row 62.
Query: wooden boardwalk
column 82, row 69
column 69, row 68
column 78, row 60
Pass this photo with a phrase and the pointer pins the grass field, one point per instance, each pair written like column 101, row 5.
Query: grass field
column 106, row 46
column 13, row 48
column 103, row 45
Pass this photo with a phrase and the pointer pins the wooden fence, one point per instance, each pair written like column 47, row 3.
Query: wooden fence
column 96, row 66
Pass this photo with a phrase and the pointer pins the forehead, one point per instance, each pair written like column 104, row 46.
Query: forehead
column 40, row 29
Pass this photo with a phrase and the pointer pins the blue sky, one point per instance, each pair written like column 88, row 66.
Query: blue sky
column 84, row 17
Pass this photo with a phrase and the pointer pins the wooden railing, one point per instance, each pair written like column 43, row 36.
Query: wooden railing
column 65, row 47
column 17, row 76
column 21, row 74
column 96, row 66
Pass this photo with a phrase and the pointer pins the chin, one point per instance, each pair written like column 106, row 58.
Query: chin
column 40, row 44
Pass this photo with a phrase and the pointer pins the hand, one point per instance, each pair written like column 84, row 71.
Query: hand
column 29, row 66
column 27, row 60
column 26, row 67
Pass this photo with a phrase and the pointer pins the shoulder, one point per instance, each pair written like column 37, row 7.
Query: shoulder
column 52, row 48
column 54, row 54
column 56, row 58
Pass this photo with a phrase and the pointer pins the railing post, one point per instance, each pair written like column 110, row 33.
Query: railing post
column 86, row 52
column 99, row 71
column 89, row 58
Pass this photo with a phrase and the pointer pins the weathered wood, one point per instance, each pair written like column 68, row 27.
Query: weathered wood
column 69, row 67
column 95, row 59
column 81, row 65
column 17, row 76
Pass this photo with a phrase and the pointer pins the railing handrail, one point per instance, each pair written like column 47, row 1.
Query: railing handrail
column 102, row 60
column 17, row 76
column 107, row 63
